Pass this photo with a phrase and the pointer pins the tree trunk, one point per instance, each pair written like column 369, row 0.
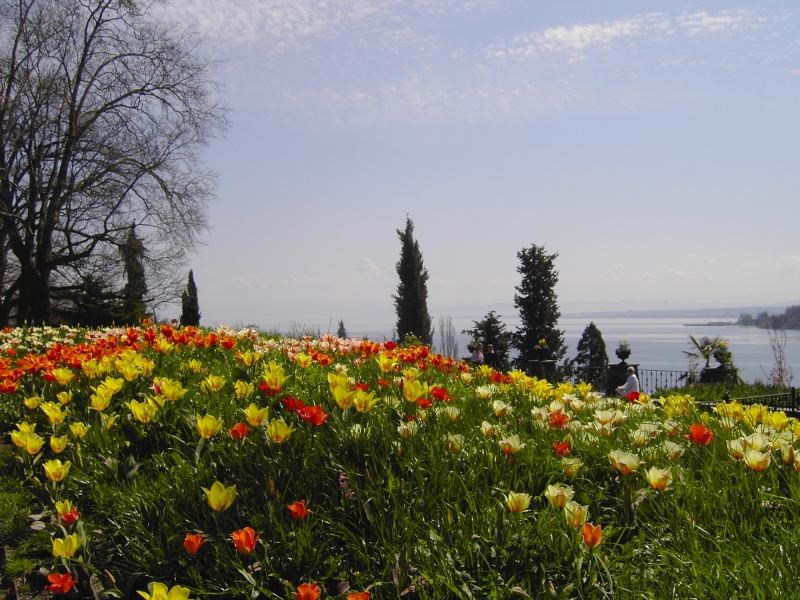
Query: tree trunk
column 34, row 297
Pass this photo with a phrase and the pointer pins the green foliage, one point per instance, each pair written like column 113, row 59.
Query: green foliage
column 790, row 319
column 538, row 337
column 411, row 300
column 190, row 312
column 491, row 330
column 717, row 347
column 591, row 361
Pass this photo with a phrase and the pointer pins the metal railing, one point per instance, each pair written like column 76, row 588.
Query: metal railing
column 786, row 401
column 651, row 380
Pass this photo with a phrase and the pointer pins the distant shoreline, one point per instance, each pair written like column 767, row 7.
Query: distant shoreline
column 712, row 324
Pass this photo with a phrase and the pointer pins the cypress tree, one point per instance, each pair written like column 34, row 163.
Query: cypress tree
column 341, row 332
column 591, row 361
column 491, row 330
column 190, row 313
column 538, row 338
column 133, row 294
column 411, row 300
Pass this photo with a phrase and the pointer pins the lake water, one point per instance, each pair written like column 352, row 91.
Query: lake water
column 657, row 343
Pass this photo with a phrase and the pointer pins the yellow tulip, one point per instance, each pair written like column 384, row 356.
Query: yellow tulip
column 454, row 442
column 219, row 496
column 194, row 365
column 484, row 392
column 249, row 358
column 243, row 389
column 159, row 591
column 278, row 431
column 31, row 442
column 164, row 345
column 53, row 412
column 303, row 360
column 343, row 396
column 365, row 401
column 659, row 479
column 58, row 444
column 500, row 408
column 78, row 429
column 170, row 389
column 63, row 375
column 385, row 362
column 518, row 502
column 558, row 495
column 208, row 426
column 255, row 416
column 101, row 398
column 90, row 368
column 489, row 430
column 212, row 383
column 575, row 514
column 274, row 375
column 64, row 397
column 143, row 411
column 66, row 547
column 571, row 465
column 412, row 390
column 33, row 402
column 56, row 470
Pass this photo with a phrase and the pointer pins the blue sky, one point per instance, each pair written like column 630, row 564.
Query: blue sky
column 653, row 145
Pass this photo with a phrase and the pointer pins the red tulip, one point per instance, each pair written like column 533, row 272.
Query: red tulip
column 561, row 448
column 60, row 583
column 239, row 431
column 700, row 434
column 193, row 542
column 244, row 540
column 307, row 591
column 298, row 510
column 592, row 535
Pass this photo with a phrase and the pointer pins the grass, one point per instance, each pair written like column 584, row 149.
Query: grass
column 407, row 497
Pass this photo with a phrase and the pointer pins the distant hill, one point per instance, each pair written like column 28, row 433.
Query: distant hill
column 698, row 313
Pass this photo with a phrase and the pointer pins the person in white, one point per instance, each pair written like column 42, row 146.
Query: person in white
column 631, row 385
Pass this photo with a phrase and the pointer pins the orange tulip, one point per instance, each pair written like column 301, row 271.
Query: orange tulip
column 307, row 591
column 358, row 596
column 244, row 540
column 592, row 535
column 700, row 434
column 193, row 542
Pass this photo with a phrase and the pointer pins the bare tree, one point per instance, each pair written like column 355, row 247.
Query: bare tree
column 103, row 111
column 781, row 374
column 447, row 337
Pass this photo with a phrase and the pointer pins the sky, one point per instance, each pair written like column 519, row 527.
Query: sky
column 652, row 145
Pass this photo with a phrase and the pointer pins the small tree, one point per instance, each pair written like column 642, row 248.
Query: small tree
column 447, row 337
column 491, row 330
column 539, row 341
column 190, row 305
column 411, row 300
column 591, row 361
column 341, row 332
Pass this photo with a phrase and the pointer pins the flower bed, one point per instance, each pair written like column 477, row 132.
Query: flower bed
column 180, row 463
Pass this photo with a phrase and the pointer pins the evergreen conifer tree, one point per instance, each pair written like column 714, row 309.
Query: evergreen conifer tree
column 341, row 332
column 591, row 361
column 133, row 294
column 538, row 338
column 411, row 300
column 491, row 330
column 190, row 306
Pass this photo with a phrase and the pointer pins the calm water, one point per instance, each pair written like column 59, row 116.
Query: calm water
column 659, row 343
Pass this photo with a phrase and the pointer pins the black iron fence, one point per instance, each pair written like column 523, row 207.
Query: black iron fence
column 651, row 380
column 786, row 401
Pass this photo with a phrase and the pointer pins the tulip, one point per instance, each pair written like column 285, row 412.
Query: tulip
column 561, row 447
column 365, row 401
column 385, row 362
column 78, row 429
column 757, row 460
column 101, row 398
column 212, row 383
column 511, row 444
column 64, row 397
column 592, row 535
column 60, row 583
column 307, row 591
column 67, row 511
column 58, row 444
column 245, row 540
column 358, row 596
column 33, row 402
column 700, row 434
column 63, row 375
column 255, row 416
column 239, row 431
column 159, row 591
column 30, row 441
column 278, row 431
column 558, row 495
column 56, row 470
column 412, row 390
column 454, row 442
column 208, row 426
column 219, row 496
column 53, row 412
column 624, row 462
column 500, row 408
column 66, row 547
column 672, row 450
column 518, row 502
column 659, row 479
column 143, row 411
column 575, row 514
column 192, row 543
column 298, row 510
column 488, row 429
column 273, row 376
